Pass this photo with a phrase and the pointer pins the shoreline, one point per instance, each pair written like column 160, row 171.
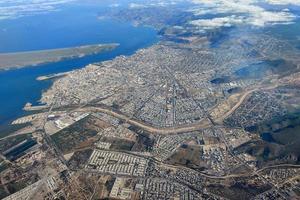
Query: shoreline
column 51, row 76
column 10, row 128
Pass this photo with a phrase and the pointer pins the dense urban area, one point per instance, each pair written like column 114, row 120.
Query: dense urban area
column 195, row 116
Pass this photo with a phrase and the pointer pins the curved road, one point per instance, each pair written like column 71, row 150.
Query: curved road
column 205, row 123
column 172, row 130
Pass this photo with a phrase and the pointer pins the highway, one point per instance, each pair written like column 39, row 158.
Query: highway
column 151, row 129
column 204, row 123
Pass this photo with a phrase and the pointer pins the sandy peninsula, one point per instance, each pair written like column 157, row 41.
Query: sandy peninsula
column 33, row 58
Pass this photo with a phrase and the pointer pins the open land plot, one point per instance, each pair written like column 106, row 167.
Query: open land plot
column 78, row 135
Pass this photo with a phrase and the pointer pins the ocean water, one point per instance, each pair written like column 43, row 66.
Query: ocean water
column 73, row 25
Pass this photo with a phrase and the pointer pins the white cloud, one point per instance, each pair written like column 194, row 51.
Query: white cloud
column 114, row 5
column 240, row 12
column 10, row 9
column 284, row 2
column 136, row 5
column 217, row 22
column 154, row 3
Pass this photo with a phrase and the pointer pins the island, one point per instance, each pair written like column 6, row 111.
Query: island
column 33, row 58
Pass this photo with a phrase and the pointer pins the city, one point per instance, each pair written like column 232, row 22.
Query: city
column 181, row 119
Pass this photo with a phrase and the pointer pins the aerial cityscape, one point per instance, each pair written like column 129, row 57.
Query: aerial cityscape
column 150, row 99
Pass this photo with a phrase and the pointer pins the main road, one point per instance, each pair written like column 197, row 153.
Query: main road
column 204, row 123
column 149, row 128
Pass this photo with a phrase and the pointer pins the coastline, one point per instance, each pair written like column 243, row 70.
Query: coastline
column 25, row 84
column 46, row 76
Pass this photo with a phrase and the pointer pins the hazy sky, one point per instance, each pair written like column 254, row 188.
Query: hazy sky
column 234, row 12
column 10, row 9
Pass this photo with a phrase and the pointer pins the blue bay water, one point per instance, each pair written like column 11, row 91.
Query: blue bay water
column 73, row 25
